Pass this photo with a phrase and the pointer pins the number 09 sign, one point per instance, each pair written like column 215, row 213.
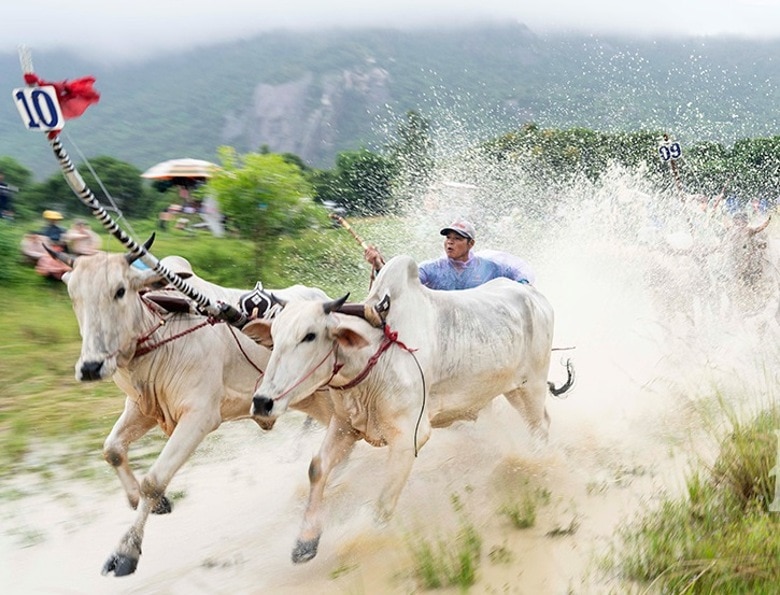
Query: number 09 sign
column 39, row 108
column 670, row 150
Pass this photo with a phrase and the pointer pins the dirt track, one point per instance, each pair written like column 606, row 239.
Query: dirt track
column 624, row 436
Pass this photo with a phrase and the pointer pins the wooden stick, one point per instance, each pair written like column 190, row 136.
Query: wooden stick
column 345, row 224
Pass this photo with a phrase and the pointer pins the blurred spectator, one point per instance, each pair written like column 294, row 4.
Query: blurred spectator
column 6, row 202
column 732, row 204
column 53, row 231
column 759, row 206
column 51, row 235
column 81, row 240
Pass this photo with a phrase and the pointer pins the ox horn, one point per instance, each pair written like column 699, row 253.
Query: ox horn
column 334, row 305
column 131, row 258
column 61, row 256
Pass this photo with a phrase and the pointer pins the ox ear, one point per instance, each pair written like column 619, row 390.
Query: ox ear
column 349, row 338
column 259, row 331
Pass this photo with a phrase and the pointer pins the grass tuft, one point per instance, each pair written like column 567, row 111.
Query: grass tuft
column 722, row 537
column 450, row 561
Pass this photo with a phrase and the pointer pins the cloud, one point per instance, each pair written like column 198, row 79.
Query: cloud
column 112, row 30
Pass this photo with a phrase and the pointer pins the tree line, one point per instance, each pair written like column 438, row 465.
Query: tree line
column 261, row 192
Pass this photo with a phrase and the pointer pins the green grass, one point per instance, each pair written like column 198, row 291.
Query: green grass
column 449, row 561
column 40, row 398
column 722, row 536
column 521, row 510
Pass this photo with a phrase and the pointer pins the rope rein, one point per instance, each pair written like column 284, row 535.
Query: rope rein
column 336, row 368
column 390, row 338
column 142, row 349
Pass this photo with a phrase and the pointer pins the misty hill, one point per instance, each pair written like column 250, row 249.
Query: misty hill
column 315, row 94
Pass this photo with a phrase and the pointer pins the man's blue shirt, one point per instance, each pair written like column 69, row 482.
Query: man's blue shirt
column 447, row 274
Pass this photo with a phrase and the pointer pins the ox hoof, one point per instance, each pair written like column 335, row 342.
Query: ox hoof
column 305, row 550
column 163, row 506
column 120, row 565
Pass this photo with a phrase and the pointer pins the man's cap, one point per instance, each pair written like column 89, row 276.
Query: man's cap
column 52, row 215
column 461, row 227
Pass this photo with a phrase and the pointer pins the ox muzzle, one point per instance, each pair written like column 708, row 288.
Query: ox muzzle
column 262, row 406
column 90, row 371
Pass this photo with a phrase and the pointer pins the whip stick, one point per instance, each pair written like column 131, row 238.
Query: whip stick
column 345, row 224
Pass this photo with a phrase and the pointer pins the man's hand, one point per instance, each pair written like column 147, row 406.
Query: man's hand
column 373, row 257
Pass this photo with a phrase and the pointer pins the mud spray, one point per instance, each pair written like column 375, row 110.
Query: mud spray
column 655, row 357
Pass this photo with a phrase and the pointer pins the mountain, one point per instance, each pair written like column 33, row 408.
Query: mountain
column 315, row 94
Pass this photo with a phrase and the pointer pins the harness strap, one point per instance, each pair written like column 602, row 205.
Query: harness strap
column 144, row 349
column 390, row 338
column 153, row 307
column 336, row 368
column 244, row 353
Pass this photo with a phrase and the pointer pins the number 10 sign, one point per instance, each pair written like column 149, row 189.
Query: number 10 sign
column 39, row 108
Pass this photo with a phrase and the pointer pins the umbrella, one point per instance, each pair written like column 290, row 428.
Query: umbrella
column 181, row 168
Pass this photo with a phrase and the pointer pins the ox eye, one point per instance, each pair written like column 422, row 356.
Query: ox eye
column 308, row 338
column 120, row 293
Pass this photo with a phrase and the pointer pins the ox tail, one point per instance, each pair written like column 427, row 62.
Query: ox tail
column 566, row 386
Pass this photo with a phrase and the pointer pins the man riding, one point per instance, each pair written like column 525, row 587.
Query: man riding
column 460, row 267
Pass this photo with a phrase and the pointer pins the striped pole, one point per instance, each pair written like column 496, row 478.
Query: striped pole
column 220, row 310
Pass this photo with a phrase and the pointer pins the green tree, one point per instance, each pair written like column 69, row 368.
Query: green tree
column 52, row 193
column 325, row 183
column 122, row 182
column 364, row 182
column 264, row 198
column 15, row 173
column 112, row 177
column 412, row 156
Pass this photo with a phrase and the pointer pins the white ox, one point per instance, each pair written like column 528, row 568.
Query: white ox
column 471, row 346
column 188, row 386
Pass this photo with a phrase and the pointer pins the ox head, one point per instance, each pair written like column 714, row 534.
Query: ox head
column 309, row 342
column 104, row 290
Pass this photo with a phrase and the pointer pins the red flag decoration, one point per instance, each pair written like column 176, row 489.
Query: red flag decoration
column 74, row 96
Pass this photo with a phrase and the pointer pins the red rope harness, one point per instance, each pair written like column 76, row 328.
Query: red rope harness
column 142, row 349
column 390, row 338
column 336, row 368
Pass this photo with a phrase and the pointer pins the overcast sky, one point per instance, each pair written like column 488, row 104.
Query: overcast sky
column 109, row 29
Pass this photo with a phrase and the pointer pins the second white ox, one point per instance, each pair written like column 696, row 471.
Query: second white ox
column 469, row 347
column 178, row 371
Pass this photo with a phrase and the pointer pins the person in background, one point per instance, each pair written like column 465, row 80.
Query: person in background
column 81, row 240
column 52, row 230
column 6, row 203
column 53, row 236
column 460, row 267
